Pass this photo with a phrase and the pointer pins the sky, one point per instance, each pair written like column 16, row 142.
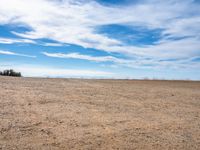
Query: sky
column 125, row 39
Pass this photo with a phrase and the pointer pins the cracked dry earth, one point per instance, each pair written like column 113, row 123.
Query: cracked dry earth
column 54, row 114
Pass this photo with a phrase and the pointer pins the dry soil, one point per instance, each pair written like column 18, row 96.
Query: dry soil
column 98, row 114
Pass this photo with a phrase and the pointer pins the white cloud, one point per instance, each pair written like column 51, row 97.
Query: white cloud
column 84, row 57
column 72, row 22
column 15, row 54
column 12, row 41
column 28, row 41
column 136, row 63
column 53, row 44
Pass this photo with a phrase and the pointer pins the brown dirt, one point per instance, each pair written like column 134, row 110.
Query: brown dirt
column 98, row 114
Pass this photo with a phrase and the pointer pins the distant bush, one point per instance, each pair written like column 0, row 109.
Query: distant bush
column 10, row 72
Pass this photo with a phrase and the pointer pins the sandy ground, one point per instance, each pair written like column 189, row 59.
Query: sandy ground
column 98, row 114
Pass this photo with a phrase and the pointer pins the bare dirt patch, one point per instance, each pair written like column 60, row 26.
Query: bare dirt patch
column 98, row 114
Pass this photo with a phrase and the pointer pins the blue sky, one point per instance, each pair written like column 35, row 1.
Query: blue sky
column 101, row 38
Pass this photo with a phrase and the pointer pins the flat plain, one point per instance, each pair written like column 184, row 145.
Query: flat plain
column 45, row 114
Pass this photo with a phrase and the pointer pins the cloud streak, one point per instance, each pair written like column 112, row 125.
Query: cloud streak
column 136, row 63
column 12, row 41
column 3, row 52
column 83, row 57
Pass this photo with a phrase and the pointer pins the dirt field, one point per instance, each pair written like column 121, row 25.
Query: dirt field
column 98, row 114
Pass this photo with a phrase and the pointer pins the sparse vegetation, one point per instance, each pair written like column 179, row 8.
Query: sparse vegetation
column 10, row 72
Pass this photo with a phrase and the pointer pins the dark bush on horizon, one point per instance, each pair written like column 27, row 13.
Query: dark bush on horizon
column 10, row 72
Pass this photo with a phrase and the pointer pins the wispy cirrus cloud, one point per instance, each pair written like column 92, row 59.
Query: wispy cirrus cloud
column 53, row 44
column 132, row 63
column 15, row 40
column 29, row 41
column 83, row 57
column 3, row 52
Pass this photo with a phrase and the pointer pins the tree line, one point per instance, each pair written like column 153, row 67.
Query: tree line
column 10, row 72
